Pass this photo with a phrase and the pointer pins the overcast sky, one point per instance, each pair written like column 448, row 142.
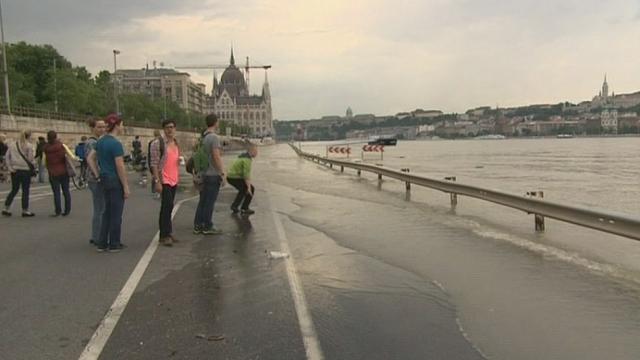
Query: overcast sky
column 377, row 56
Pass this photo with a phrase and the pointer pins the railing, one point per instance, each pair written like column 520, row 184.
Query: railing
column 65, row 116
column 43, row 114
column 607, row 221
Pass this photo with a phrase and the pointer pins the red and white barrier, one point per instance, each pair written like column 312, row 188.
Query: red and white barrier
column 373, row 148
column 339, row 150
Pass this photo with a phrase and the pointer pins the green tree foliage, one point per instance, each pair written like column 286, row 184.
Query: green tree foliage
column 35, row 84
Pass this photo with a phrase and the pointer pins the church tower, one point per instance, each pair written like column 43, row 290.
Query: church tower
column 266, row 92
column 605, row 88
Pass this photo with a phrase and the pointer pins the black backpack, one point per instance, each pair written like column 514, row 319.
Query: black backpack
column 149, row 152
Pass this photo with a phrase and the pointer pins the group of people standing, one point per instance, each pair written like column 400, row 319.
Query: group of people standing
column 107, row 178
column 23, row 160
column 164, row 164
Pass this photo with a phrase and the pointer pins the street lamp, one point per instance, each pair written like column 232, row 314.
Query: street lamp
column 55, row 86
column 4, row 61
column 115, row 84
column 164, row 97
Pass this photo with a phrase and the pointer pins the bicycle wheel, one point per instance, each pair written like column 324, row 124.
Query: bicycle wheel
column 79, row 182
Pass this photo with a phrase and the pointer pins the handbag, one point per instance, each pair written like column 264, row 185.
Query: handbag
column 32, row 168
column 71, row 169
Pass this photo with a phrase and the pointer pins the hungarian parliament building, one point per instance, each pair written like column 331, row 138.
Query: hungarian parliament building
column 231, row 101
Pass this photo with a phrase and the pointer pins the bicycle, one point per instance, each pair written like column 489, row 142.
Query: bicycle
column 80, row 180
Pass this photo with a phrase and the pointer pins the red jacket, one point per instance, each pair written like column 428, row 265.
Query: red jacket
column 56, row 162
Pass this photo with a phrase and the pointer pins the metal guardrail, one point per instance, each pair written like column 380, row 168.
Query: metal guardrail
column 40, row 113
column 607, row 221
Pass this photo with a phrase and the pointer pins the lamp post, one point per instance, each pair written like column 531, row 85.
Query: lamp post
column 55, row 87
column 164, row 97
column 115, row 79
column 4, row 62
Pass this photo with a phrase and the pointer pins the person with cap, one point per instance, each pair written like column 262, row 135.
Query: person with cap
column 113, row 177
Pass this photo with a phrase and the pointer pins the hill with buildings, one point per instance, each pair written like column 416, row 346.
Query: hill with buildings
column 604, row 114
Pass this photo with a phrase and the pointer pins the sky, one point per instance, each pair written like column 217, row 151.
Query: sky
column 375, row 56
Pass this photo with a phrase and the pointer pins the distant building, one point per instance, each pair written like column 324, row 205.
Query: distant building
column 349, row 113
column 604, row 100
column 609, row 120
column 231, row 101
column 163, row 83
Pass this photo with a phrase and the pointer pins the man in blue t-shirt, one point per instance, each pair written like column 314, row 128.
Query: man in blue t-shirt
column 113, row 177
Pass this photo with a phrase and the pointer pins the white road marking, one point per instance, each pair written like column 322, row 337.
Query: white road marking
column 309, row 336
column 99, row 339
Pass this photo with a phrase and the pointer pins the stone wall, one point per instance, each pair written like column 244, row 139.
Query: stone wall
column 70, row 132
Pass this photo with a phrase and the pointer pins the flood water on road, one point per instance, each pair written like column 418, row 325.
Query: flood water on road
column 568, row 293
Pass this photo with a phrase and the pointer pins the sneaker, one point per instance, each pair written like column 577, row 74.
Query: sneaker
column 212, row 231
column 28, row 214
column 235, row 210
column 174, row 239
column 197, row 231
column 54, row 215
column 6, row 213
column 101, row 249
column 247, row 212
column 117, row 248
column 166, row 241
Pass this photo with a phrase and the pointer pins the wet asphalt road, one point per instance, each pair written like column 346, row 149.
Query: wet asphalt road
column 217, row 297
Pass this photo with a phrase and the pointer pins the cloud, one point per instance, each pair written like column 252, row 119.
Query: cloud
column 377, row 56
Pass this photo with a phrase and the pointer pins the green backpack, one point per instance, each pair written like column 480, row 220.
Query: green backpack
column 199, row 161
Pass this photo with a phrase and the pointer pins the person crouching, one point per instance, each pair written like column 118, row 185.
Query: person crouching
column 240, row 178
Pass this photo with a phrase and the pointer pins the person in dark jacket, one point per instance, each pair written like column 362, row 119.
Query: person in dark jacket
column 240, row 178
column 55, row 154
column 3, row 151
column 39, row 158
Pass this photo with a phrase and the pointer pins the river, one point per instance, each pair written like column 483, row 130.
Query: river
column 567, row 293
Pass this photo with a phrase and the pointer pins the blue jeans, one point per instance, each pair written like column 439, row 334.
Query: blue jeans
column 19, row 179
column 97, row 194
column 57, row 183
column 111, row 226
column 208, row 197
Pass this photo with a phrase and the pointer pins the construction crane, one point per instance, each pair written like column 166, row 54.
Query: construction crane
column 246, row 68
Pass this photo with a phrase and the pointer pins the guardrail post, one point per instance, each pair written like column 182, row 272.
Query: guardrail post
column 453, row 196
column 407, row 184
column 359, row 172
column 342, row 169
column 331, row 165
column 539, row 219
